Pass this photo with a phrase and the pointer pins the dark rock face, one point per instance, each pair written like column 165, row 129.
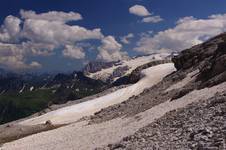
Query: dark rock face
column 118, row 72
column 18, row 83
column 200, row 53
column 23, row 95
column 75, row 86
column 209, row 58
column 95, row 66
column 182, row 92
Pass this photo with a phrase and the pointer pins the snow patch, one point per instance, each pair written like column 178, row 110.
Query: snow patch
column 82, row 136
column 132, row 64
column 72, row 113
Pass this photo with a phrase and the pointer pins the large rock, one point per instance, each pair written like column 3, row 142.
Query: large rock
column 209, row 58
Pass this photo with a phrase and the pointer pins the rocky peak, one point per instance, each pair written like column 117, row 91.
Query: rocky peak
column 95, row 66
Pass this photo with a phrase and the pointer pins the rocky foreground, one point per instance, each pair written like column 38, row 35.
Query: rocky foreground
column 200, row 125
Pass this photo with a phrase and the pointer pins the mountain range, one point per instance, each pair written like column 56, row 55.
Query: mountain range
column 155, row 102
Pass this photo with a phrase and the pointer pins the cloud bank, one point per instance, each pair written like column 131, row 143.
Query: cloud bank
column 51, row 16
column 188, row 31
column 41, row 34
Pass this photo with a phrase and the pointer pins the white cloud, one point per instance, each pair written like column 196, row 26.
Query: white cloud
column 146, row 34
column 187, row 32
column 12, row 25
column 40, row 35
column 139, row 10
column 185, row 19
column 13, row 56
column 126, row 39
column 110, row 50
column 51, row 16
column 10, row 29
column 35, row 64
column 73, row 52
column 152, row 19
column 38, row 49
column 56, row 32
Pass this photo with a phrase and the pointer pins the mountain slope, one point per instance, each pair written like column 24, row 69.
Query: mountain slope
column 185, row 110
column 122, row 68
column 23, row 95
column 73, row 113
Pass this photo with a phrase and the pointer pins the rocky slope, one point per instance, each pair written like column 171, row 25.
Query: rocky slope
column 200, row 125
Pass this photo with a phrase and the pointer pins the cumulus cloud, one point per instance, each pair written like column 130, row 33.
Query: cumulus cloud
column 126, row 39
column 38, row 49
column 188, row 31
column 13, row 56
column 56, row 32
column 51, row 16
column 110, row 50
column 10, row 29
column 40, row 34
column 12, row 25
column 139, row 10
column 185, row 19
column 73, row 52
column 152, row 19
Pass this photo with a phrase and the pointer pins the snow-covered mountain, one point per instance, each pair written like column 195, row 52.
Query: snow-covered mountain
column 114, row 70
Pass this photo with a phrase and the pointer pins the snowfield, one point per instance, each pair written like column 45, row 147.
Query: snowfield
column 81, row 136
column 72, row 113
column 131, row 63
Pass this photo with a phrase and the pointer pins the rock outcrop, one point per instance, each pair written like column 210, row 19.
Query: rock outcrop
column 95, row 66
column 209, row 58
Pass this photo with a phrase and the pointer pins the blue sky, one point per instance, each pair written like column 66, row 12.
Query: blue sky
column 115, row 21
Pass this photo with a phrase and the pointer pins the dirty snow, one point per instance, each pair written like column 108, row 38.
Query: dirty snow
column 131, row 63
column 72, row 113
